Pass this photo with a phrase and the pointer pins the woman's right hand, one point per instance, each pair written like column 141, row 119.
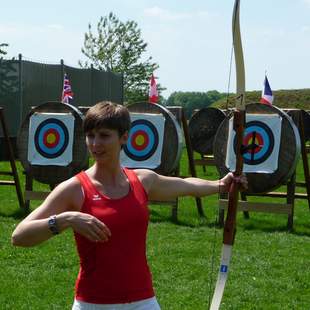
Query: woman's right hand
column 90, row 227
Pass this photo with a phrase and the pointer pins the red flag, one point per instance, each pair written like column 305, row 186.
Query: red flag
column 67, row 93
column 153, row 94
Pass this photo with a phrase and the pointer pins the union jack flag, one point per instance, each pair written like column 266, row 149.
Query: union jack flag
column 67, row 93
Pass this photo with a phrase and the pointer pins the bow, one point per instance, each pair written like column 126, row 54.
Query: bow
column 238, row 126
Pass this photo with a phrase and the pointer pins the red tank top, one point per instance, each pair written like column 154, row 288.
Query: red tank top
column 115, row 271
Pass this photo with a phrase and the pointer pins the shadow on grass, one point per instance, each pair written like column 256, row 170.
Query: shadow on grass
column 252, row 224
column 257, row 225
column 269, row 226
column 18, row 214
column 200, row 221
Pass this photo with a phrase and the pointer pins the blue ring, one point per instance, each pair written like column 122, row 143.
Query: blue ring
column 41, row 144
column 268, row 140
column 150, row 135
column 63, row 139
column 151, row 130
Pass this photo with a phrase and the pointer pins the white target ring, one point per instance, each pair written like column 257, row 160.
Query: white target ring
column 260, row 131
column 50, row 139
column 145, row 141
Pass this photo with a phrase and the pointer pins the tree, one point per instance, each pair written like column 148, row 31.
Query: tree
column 9, row 79
column 118, row 47
column 194, row 100
column 3, row 52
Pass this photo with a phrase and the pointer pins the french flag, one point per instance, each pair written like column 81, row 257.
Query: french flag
column 267, row 97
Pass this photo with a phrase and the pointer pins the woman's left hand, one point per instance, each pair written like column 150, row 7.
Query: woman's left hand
column 227, row 180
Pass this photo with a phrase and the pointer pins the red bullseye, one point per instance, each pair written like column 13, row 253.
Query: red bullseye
column 51, row 138
column 140, row 140
column 248, row 140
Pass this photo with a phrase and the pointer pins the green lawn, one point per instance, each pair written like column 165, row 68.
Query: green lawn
column 270, row 268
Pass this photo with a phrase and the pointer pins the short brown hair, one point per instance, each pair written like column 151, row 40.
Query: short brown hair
column 107, row 114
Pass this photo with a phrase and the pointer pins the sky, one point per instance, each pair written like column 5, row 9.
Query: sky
column 190, row 40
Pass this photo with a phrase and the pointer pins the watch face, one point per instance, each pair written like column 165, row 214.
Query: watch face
column 52, row 225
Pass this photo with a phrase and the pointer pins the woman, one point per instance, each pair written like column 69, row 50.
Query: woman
column 106, row 206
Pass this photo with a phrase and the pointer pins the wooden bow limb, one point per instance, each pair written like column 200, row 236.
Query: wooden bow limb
column 233, row 195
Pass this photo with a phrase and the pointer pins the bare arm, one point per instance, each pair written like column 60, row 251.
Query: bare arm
column 163, row 188
column 65, row 201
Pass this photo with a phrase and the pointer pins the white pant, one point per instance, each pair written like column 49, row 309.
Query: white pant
column 145, row 304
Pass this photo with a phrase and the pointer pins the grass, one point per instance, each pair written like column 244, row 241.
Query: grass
column 270, row 268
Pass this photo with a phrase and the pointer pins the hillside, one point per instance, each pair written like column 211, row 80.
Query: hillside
column 293, row 98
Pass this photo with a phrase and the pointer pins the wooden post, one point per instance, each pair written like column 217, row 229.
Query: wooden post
column 62, row 71
column 91, row 85
column 28, row 188
column 13, row 173
column 304, row 156
column 180, row 116
column 20, row 88
column 298, row 118
column 290, row 199
column 191, row 158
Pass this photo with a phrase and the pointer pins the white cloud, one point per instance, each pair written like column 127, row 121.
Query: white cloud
column 307, row 2
column 47, row 43
column 8, row 29
column 56, row 26
column 166, row 15
column 21, row 30
column 305, row 29
column 203, row 14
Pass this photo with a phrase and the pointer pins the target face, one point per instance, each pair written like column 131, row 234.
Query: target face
column 258, row 141
column 142, row 141
column 50, row 139
column 145, row 141
column 261, row 143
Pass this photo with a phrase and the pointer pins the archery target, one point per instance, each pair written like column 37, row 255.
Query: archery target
column 145, row 141
column 261, row 141
column 50, row 139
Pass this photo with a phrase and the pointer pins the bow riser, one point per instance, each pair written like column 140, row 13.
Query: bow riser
column 230, row 223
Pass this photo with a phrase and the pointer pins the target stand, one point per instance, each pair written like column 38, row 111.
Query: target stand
column 13, row 173
column 202, row 128
column 271, row 152
column 302, row 120
column 171, row 145
column 51, row 146
column 179, row 114
column 299, row 118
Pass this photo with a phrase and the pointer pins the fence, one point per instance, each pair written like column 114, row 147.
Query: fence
column 24, row 84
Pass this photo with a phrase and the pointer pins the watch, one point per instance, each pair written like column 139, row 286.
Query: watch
column 52, row 225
